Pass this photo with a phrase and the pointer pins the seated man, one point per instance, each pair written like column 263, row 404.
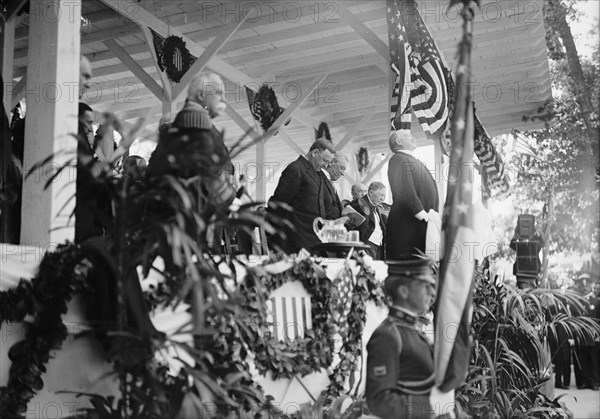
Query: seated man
column 372, row 229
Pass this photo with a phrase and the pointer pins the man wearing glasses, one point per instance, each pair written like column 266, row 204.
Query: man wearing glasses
column 333, row 204
column 372, row 229
column 302, row 188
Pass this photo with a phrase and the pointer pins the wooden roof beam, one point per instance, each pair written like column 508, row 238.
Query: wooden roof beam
column 135, row 68
column 12, row 8
column 143, row 17
column 377, row 168
column 362, row 29
column 306, row 90
column 237, row 118
column 350, row 134
column 210, row 52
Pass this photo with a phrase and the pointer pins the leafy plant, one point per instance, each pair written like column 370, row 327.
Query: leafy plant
column 511, row 360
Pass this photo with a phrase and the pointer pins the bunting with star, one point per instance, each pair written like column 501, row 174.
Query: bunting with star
column 425, row 87
column 455, row 290
column 421, row 77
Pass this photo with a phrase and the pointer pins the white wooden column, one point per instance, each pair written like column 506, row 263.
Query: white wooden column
column 440, row 174
column 261, row 182
column 52, row 100
column 8, row 48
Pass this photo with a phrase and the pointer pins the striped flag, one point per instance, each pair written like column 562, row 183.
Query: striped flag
column 421, row 76
column 454, row 302
column 400, row 50
column 522, row 146
column 289, row 317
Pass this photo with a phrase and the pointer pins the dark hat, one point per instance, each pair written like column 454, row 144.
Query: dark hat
column 404, row 271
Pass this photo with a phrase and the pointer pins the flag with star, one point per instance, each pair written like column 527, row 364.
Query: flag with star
column 421, row 78
column 400, row 50
column 454, row 302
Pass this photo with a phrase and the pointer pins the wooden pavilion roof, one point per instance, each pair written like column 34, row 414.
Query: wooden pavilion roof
column 293, row 44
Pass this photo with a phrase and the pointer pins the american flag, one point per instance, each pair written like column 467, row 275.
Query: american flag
column 289, row 317
column 400, row 50
column 454, row 303
column 522, row 146
column 344, row 284
column 420, row 75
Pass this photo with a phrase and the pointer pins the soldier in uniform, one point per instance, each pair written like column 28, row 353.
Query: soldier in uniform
column 400, row 367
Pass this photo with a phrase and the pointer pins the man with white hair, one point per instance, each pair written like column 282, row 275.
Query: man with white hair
column 205, row 102
column 414, row 194
column 332, row 173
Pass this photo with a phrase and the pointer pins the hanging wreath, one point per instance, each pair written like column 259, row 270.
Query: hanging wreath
column 362, row 159
column 311, row 353
column 176, row 58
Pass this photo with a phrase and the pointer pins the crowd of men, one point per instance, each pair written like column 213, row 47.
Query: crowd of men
column 306, row 186
column 400, row 358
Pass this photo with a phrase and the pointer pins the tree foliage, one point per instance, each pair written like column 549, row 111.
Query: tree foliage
column 565, row 167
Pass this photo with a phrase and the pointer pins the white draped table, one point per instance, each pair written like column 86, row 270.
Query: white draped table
column 80, row 365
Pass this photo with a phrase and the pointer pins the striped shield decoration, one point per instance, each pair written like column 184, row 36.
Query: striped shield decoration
column 289, row 317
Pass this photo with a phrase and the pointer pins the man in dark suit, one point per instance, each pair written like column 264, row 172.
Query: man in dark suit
column 331, row 174
column 372, row 231
column 414, row 194
column 302, row 188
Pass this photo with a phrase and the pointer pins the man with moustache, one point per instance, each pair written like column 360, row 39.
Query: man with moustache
column 302, row 189
column 331, row 174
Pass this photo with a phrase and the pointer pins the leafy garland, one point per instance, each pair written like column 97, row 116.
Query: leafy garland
column 362, row 158
column 61, row 274
column 366, row 288
column 285, row 359
column 309, row 354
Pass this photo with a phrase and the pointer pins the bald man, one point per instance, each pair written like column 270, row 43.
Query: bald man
column 414, row 194
column 358, row 191
column 85, row 75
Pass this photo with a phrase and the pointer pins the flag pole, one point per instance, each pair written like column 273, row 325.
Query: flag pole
column 454, row 305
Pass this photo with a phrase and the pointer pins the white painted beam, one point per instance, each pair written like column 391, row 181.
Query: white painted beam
column 306, row 92
column 135, row 68
column 378, row 167
column 348, row 137
column 218, row 65
column 362, row 29
column 210, row 52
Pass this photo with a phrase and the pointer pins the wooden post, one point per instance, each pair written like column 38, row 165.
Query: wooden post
column 167, row 106
column 52, row 101
column 261, row 182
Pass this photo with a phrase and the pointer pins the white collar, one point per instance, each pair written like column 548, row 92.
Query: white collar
column 407, row 311
column 327, row 175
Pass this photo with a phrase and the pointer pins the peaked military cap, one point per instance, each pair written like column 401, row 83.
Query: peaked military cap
column 404, row 271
